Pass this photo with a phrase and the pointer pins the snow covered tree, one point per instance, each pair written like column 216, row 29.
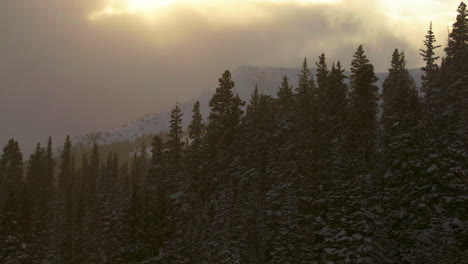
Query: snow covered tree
column 175, row 144
column 332, row 127
column 222, row 133
column 90, row 175
column 93, row 174
column 140, row 166
column 13, row 248
column 431, row 67
column 40, row 189
column 305, row 91
column 322, row 76
column 11, row 169
column 305, row 121
column 67, row 224
column 321, row 142
column 252, row 107
column 400, row 118
column 195, row 155
column 224, row 118
column 284, row 115
column 134, row 220
column 362, row 118
column 156, row 162
column 110, row 210
column 285, row 96
column 64, row 178
column 38, row 185
column 306, row 106
column 49, row 173
column 458, row 38
column 197, row 131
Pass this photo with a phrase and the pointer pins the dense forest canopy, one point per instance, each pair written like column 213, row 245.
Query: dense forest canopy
column 328, row 171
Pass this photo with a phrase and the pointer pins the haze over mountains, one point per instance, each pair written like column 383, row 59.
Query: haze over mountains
column 246, row 77
column 61, row 73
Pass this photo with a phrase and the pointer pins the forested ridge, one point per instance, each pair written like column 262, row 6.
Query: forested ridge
column 328, row 171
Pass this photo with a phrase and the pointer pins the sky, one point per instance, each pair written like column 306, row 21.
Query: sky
column 77, row 66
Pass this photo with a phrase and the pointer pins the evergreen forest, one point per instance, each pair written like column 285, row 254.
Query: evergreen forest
column 331, row 170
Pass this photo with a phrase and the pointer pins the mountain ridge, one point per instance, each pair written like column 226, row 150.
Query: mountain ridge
column 245, row 77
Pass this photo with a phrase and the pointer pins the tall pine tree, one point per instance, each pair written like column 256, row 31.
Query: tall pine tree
column 175, row 144
column 64, row 178
column 225, row 117
column 11, row 169
column 363, row 108
column 400, row 118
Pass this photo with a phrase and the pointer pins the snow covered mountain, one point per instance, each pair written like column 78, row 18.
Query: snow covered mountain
column 268, row 80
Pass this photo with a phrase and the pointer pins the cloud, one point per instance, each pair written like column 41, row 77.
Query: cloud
column 231, row 11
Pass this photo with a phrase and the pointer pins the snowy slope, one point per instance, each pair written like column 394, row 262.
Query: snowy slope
column 245, row 77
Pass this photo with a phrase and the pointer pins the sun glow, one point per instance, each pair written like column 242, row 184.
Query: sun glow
column 415, row 15
column 151, row 9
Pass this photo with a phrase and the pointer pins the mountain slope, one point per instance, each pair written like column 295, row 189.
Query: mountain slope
column 268, row 80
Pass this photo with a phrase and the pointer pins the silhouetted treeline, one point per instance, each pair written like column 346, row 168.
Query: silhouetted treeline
column 329, row 171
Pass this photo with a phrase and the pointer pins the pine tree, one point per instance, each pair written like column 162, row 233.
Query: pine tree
column 222, row 146
column 252, row 107
column 160, row 187
column 193, row 182
column 11, row 169
column 80, row 234
column 457, row 80
column 401, row 121
column 433, row 91
column 447, row 113
column 458, row 38
column 285, row 113
column 134, row 244
column 321, row 143
column 175, row 144
column 337, row 101
column 141, row 167
column 197, row 131
column 362, row 118
column 37, row 212
column 332, row 119
column 49, row 174
column 431, row 67
column 93, row 174
column 110, row 210
column 196, row 127
column 305, row 93
column 138, row 236
column 68, row 176
column 435, row 99
column 225, row 117
column 91, row 218
column 13, row 248
column 156, row 162
column 445, row 141
column 285, row 97
column 259, row 126
column 36, row 173
column 39, row 188
column 305, row 121
column 64, row 178
column 322, row 75
column 455, row 74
